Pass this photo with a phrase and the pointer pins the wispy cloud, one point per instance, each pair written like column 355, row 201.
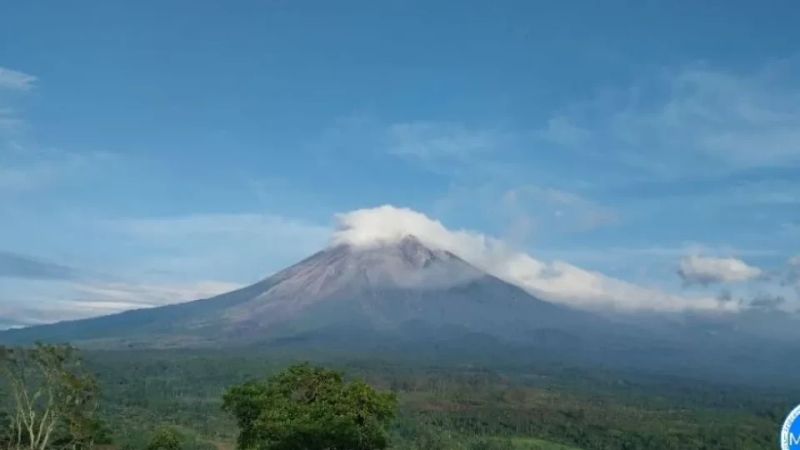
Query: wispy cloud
column 26, row 167
column 199, row 225
column 30, row 169
column 29, row 176
column 155, row 261
column 561, row 130
column 523, row 213
column 241, row 246
column 54, row 301
column 119, row 296
column 10, row 120
column 705, row 270
column 765, row 302
column 442, row 142
column 13, row 82
column 693, row 119
column 562, row 209
column 16, row 80
column 441, row 147
column 15, row 265
column 792, row 273
column 457, row 150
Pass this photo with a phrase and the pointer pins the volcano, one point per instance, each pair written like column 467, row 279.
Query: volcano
column 401, row 288
column 403, row 298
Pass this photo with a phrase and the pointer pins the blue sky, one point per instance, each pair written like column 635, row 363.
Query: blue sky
column 156, row 151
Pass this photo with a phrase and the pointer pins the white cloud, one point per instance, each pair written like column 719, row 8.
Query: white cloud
column 121, row 295
column 205, row 225
column 793, row 272
column 12, row 81
column 179, row 251
column 48, row 302
column 691, row 119
column 386, row 223
column 450, row 148
column 695, row 269
column 236, row 246
column 525, row 213
column 561, row 130
column 557, row 208
column 15, row 80
column 436, row 140
column 554, row 281
column 27, row 177
column 9, row 121
column 27, row 169
column 161, row 260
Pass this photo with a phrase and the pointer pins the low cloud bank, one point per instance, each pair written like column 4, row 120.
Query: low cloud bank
column 704, row 270
column 555, row 281
column 48, row 302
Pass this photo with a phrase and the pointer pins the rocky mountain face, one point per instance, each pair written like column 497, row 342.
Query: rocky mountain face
column 403, row 299
column 383, row 289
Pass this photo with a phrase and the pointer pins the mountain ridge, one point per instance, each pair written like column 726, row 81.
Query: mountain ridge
column 403, row 299
column 380, row 287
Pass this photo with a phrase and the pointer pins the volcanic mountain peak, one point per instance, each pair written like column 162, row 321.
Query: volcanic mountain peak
column 350, row 269
column 381, row 286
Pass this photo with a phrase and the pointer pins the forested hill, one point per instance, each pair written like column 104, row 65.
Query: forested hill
column 456, row 407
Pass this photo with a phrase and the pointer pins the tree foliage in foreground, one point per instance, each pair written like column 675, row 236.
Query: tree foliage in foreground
column 50, row 401
column 310, row 408
column 165, row 438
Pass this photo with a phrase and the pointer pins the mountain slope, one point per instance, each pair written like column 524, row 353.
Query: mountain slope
column 344, row 290
column 405, row 300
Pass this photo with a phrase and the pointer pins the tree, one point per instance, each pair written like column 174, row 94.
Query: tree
column 52, row 400
column 165, row 438
column 310, row 408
